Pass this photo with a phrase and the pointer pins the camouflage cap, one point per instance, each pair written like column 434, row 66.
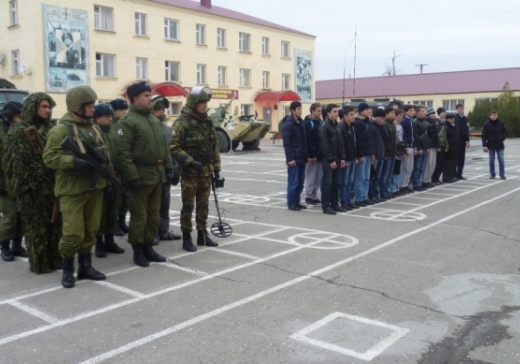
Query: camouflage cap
column 79, row 96
column 198, row 94
column 159, row 101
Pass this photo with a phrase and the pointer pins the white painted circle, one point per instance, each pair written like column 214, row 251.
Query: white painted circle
column 398, row 215
column 314, row 239
column 246, row 199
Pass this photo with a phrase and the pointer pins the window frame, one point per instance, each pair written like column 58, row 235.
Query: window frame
column 168, row 70
column 144, row 70
column 266, row 79
column 98, row 17
column 244, row 39
column 15, row 59
column 282, row 49
column 222, row 75
column 167, row 29
column 266, row 45
column 140, row 24
column 200, row 33
column 285, row 83
column 243, row 108
column 201, row 74
column 426, row 103
column 101, row 62
column 453, row 103
column 13, row 13
column 243, row 72
column 221, row 38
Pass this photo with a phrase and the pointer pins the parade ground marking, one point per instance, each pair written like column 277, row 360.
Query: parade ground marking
column 368, row 355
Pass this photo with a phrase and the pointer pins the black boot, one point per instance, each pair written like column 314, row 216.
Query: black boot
column 67, row 280
column 156, row 240
column 204, row 239
column 85, row 270
column 17, row 249
column 170, row 235
column 121, row 222
column 187, row 243
column 152, row 255
column 119, row 232
column 139, row 257
column 100, row 248
column 111, row 246
column 7, row 256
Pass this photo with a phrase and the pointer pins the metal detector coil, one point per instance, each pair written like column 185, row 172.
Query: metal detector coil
column 220, row 229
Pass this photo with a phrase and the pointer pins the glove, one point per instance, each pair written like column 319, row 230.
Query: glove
column 196, row 166
column 216, row 174
column 81, row 165
column 136, row 184
column 109, row 193
column 169, row 176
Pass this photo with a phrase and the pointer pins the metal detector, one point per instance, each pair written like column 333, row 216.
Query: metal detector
column 220, row 229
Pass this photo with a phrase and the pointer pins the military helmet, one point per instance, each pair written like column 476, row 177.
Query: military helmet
column 158, row 99
column 198, row 94
column 103, row 109
column 79, row 96
column 10, row 110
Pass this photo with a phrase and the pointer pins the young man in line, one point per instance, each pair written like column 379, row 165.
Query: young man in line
column 461, row 121
column 380, row 135
column 334, row 160
column 439, row 163
column 390, row 153
column 313, row 169
column 452, row 150
column 296, row 155
column 423, row 144
column 432, row 128
column 347, row 174
column 493, row 135
column 409, row 138
column 364, row 155
column 397, row 172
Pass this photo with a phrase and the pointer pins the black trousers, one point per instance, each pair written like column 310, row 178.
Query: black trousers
column 439, row 166
column 462, row 158
column 330, row 184
column 451, row 158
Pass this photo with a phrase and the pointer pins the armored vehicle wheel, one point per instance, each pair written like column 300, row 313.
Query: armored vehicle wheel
column 251, row 145
column 224, row 141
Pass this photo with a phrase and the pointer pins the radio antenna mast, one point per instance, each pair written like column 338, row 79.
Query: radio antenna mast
column 355, row 54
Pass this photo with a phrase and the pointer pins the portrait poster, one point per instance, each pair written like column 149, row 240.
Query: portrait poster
column 303, row 74
column 65, row 39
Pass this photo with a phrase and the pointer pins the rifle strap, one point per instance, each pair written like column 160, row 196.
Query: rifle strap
column 78, row 139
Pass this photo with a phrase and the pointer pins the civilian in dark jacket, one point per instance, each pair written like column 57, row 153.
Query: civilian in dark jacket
column 364, row 155
column 387, row 172
column 349, row 140
column 334, row 159
column 451, row 156
column 461, row 122
column 439, row 163
column 493, row 135
column 380, row 136
column 313, row 170
column 419, row 163
column 409, row 138
column 296, row 155
column 432, row 129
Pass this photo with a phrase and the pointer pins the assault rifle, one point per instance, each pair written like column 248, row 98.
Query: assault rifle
column 96, row 160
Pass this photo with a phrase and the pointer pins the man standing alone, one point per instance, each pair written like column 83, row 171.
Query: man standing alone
column 493, row 135
column 313, row 169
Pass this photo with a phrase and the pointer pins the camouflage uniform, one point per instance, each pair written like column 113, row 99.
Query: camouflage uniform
column 31, row 183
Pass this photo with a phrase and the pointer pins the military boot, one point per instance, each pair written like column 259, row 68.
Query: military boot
column 7, row 256
column 204, row 239
column 121, row 222
column 17, row 249
column 85, row 269
column 67, row 280
column 139, row 257
column 152, row 255
column 119, row 232
column 187, row 243
column 100, row 248
column 111, row 246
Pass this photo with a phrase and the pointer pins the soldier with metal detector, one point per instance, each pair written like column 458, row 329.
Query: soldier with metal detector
column 194, row 145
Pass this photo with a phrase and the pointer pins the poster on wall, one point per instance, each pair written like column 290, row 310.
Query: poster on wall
column 303, row 74
column 65, row 39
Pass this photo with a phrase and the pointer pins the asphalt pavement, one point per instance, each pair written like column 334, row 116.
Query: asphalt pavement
column 431, row 277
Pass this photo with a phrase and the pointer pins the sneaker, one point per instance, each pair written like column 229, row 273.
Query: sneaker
column 353, row 206
column 329, row 211
column 338, row 208
column 368, row 202
column 294, row 208
column 360, row 204
column 310, row 201
column 503, row 177
column 347, row 207
column 419, row 188
column 492, row 177
column 462, row 178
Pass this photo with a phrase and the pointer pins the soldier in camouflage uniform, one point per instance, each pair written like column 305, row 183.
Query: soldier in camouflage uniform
column 145, row 165
column 159, row 103
column 31, row 183
column 120, row 107
column 80, row 202
column 10, row 224
column 112, row 201
column 194, row 145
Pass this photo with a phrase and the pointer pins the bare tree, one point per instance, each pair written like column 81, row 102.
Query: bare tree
column 391, row 70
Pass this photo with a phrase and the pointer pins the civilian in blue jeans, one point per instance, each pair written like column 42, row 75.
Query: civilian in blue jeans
column 380, row 135
column 494, row 133
column 419, row 163
column 347, row 173
column 296, row 155
column 365, row 151
column 390, row 154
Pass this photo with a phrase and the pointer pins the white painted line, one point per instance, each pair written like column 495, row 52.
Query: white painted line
column 405, row 203
column 244, row 301
column 184, row 269
column 377, row 349
column 34, row 311
column 438, row 194
column 453, row 189
column 238, row 254
column 425, row 198
column 119, row 288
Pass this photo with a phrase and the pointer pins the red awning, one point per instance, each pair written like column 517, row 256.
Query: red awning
column 167, row 89
column 277, row 96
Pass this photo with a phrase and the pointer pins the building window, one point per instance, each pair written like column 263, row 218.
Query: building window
column 266, row 82
column 488, row 99
column 221, row 38
column 13, row 14
column 201, row 34
column 451, row 105
column 171, row 29
column 245, row 75
column 425, row 103
column 265, row 46
column 141, row 66
column 247, row 109
column 103, row 18
column 175, row 108
column 222, row 75
column 171, row 71
column 286, row 110
column 286, row 81
column 201, row 74
column 285, row 49
column 140, row 24
column 15, row 62
column 244, row 42
column 105, row 65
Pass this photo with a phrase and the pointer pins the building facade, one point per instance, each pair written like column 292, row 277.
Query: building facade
column 52, row 45
column 446, row 89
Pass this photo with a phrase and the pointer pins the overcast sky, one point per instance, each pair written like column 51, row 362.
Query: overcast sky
column 448, row 35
